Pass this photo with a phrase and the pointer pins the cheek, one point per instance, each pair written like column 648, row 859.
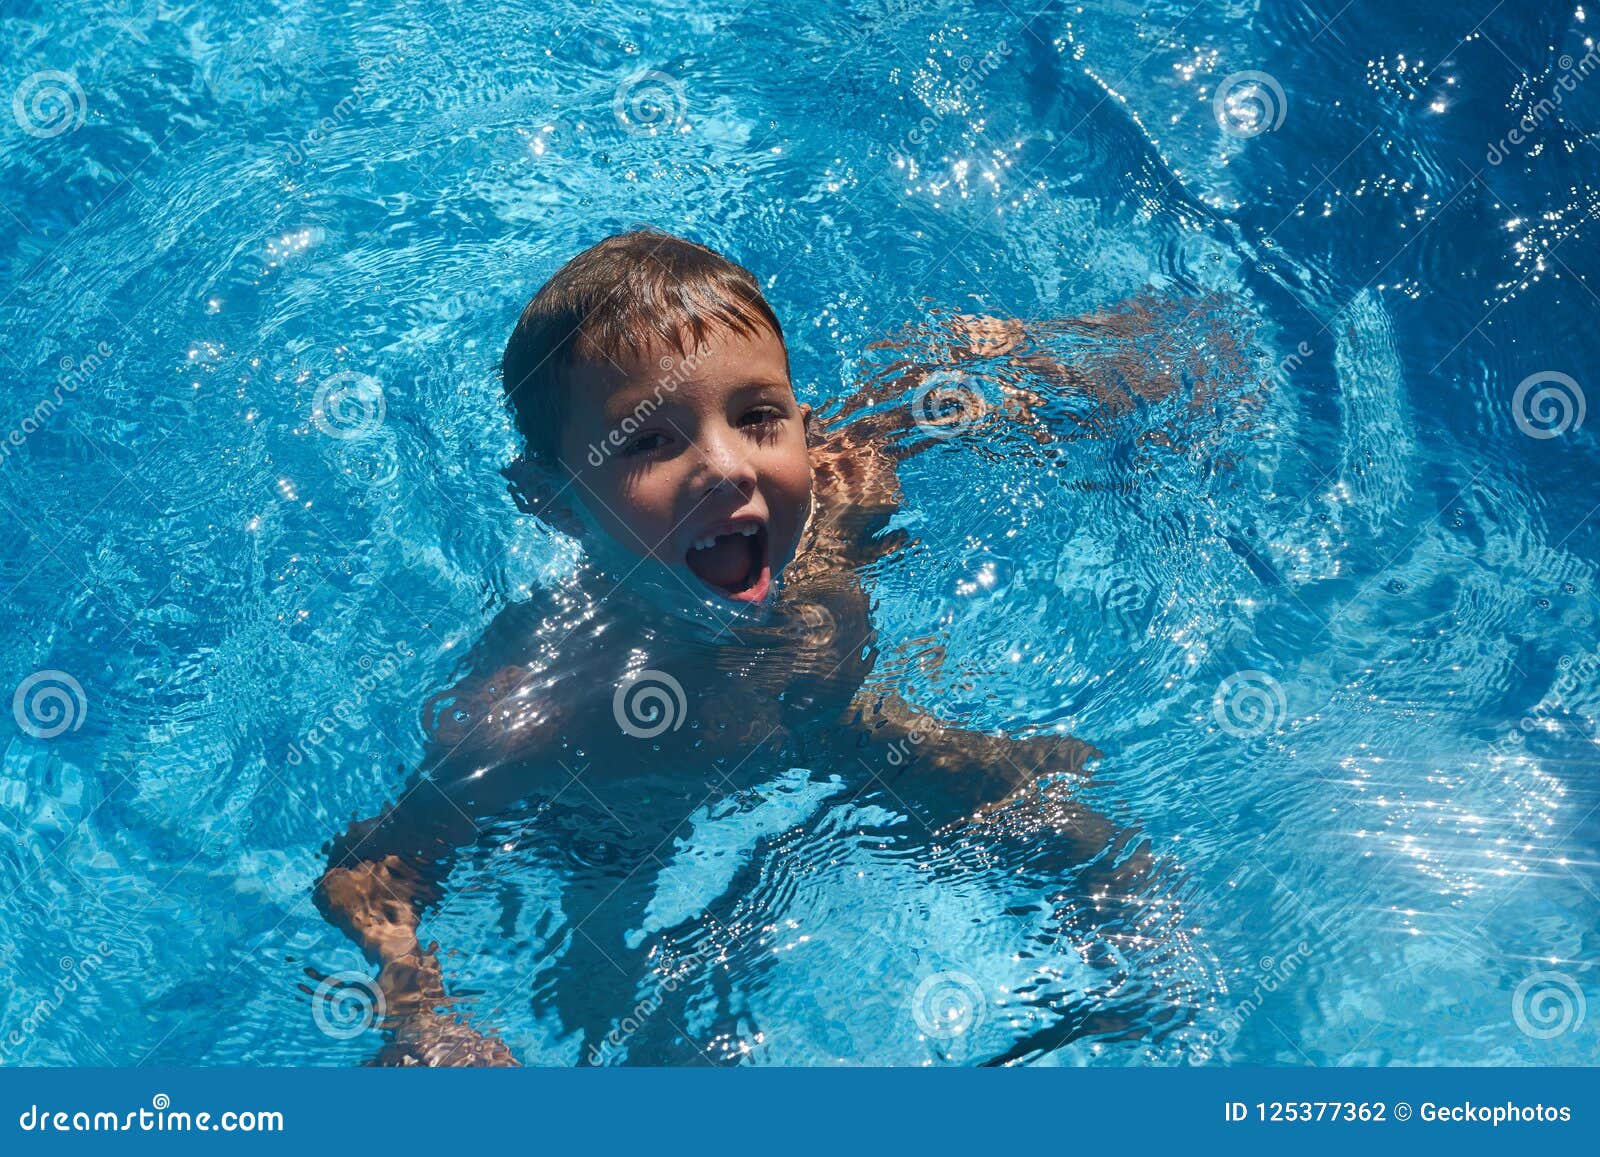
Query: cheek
column 643, row 499
column 792, row 478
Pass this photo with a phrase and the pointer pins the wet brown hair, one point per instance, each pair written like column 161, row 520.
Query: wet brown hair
column 612, row 300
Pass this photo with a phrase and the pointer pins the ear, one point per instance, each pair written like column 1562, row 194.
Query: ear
column 540, row 491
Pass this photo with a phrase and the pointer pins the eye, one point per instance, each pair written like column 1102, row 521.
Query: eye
column 762, row 416
column 644, row 444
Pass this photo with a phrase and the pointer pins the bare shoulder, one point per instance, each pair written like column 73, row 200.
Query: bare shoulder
column 526, row 686
column 855, row 469
column 855, row 492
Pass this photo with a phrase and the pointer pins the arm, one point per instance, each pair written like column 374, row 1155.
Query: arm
column 1137, row 352
column 385, row 872
column 1122, row 896
column 978, row 777
column 931, row 378
column 959, row 774
column 856, row 452
column 379, row 881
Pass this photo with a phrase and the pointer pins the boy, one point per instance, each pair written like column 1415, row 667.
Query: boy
column 650, row 380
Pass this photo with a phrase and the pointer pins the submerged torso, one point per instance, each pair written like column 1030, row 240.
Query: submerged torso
column 593, row 680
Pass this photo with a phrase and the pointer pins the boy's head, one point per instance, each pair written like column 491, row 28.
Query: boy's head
column 651, row 374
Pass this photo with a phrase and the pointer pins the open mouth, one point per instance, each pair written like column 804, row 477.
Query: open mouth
column 735, row 563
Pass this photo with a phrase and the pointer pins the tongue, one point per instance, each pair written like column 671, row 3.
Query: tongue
column 725, row 563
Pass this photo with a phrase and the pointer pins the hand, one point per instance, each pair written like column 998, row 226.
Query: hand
column 434, row 1040
column 1005, row 765
column 1030, row 791
column 985, row 337
column 413, row 983
column 422, row 1034
column 375, row 905
column 1037, row 756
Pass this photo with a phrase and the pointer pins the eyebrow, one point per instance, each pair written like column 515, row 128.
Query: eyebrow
column 754, row 384
column 620, row 406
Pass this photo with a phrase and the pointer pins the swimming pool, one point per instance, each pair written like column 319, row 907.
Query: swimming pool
column 1336, row 638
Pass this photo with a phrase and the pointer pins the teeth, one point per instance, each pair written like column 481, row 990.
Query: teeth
column 706, row 542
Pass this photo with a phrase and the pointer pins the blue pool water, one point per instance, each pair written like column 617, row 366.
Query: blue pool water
column 1335, row 633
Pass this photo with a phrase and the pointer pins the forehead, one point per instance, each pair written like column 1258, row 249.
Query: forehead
column 725, row 363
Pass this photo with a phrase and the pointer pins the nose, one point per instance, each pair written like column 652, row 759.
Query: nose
column 724, row 463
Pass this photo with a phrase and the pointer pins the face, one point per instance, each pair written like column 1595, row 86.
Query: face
column 699, row 463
